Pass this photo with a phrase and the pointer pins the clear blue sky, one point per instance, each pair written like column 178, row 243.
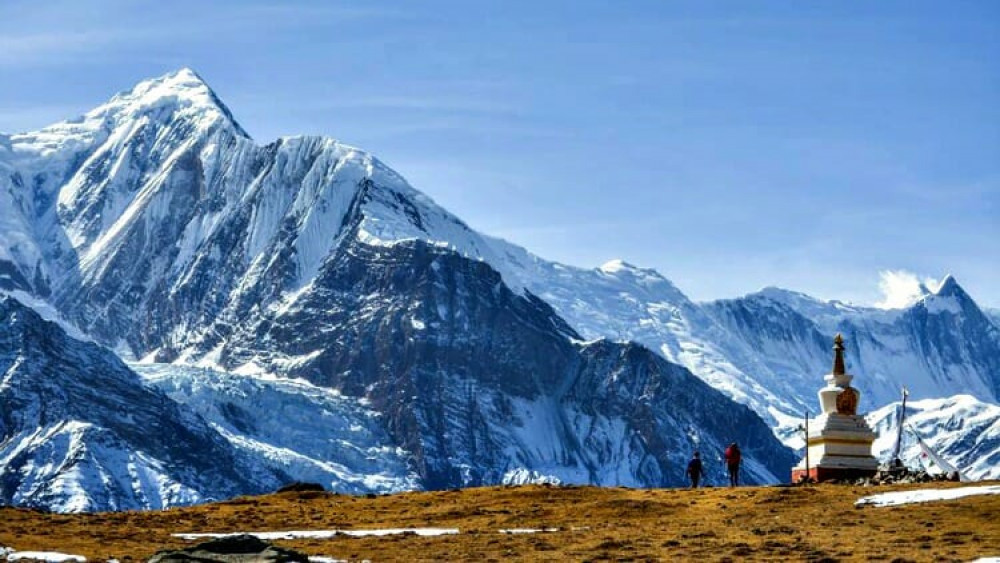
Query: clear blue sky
column 730, row 145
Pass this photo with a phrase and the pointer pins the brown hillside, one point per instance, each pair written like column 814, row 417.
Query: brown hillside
column 813, row 523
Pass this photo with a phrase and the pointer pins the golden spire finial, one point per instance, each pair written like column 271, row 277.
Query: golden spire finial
column 838, row 358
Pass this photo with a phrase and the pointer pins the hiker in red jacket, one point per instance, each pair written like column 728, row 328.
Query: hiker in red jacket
column 733, row 459
column 695, row 470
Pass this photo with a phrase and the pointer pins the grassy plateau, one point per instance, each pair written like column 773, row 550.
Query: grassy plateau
column 815, row 523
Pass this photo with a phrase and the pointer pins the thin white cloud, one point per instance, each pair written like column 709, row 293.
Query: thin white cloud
column 37, row 33
column 18, row 119
column 901, row 288
column 32, row 48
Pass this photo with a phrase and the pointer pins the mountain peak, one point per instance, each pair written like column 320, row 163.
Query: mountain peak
column 183, row 82
column 948, row 287
column 779, row 294
column 646, row 278
column 946, row 295
column 186, row 73
column 619, row 267
column 615, row 266
column 181, row 91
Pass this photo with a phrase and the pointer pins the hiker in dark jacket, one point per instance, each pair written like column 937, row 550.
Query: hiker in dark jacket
column 733, row 459
column 695, row 470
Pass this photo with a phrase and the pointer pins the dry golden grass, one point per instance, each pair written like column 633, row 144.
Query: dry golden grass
column 769, row 523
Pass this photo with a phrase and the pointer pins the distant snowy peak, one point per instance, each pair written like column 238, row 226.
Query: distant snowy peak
column 942, row 344
column 946, row 295
column 807, row 305
column 617, row 266
column 903, row 290
column 948, row 286
column 626, row 271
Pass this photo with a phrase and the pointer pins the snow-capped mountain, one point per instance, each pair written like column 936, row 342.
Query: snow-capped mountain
column 157, row 227
column 624, row 302
column 769, row 350
column 961, row 429
column 158, row 201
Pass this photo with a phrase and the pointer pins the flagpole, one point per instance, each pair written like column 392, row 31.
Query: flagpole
column 804, row 428
column 896, row 462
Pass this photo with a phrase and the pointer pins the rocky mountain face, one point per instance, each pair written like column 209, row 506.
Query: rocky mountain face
column 485, row 385
column 158, row 228
column 79, row 431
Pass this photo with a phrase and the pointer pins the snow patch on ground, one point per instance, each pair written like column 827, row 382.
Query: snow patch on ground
column 324, row 534
column 927, row 495
column 51, row 556
column 527, row 530
column 523, row 476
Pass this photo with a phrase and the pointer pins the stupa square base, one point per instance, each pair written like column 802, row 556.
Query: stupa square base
column 820, row 474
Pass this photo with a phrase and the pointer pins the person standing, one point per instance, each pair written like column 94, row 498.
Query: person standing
column 733, row 459
column 695, row 470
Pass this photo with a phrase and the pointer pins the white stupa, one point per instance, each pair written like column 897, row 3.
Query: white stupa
column 839, row 442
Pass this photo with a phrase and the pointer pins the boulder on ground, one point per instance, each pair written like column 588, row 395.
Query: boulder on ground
column 243, row 548
column 300, row 487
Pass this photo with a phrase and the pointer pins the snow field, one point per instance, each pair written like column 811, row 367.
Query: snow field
column 48, row 556
column 899, row 498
